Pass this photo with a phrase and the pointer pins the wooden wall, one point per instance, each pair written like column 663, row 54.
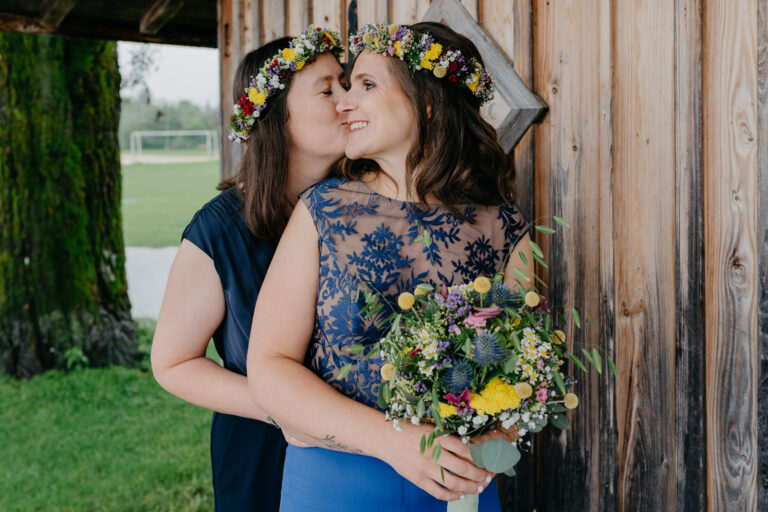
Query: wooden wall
column 656, row 149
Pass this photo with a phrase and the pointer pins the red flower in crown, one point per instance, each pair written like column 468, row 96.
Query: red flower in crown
column 248, row 108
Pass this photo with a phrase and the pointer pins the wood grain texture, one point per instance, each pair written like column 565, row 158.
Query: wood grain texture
column 407, row 11
column 273, row 19
column 53, row 12
column 372, row 11
column 690, row 388
column 644, row 212
column 762, row 240
column 296, row 16
column 327, row 13
column 571, row 162
column 730, row 202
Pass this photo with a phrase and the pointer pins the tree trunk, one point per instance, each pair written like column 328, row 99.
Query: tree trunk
column 62, row 259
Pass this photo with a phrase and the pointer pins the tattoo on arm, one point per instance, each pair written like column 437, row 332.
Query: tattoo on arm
column 330, row 442
column 272, row 421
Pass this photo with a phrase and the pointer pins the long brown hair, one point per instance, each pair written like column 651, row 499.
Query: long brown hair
column 456, row 157
column 263, row 175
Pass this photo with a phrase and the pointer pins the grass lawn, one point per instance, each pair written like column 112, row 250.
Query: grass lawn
column 159, row 200
column 106, row 439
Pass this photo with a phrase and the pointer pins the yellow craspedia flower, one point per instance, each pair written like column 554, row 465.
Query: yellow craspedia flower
column 571, row 401
column 558, row 336
column 406, row 300
column 532, row 299
column 446, row 410
column 474, row 82
column 289, row 54
column 256, row 97
column 386, row 371
column 496, row 397
column 482, row 284
column 330, row 38
column 367, row 38
column 299, row 64
column 434, row 51
column 523, row 390
column 426, row 63
column 399, row 48
column 392, row 29
column 439, row 71
column 419, row 291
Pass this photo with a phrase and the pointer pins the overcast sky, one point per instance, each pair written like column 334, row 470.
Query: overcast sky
column 182, row 73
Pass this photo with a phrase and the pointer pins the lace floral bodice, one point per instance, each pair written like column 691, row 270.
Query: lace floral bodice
column 370, row 241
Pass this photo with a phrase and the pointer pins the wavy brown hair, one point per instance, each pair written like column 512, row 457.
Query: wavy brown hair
column 263, row 175
column 456, row 157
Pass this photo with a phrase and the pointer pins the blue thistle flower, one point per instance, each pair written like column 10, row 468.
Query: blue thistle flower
column 458, row 377
column 488, row 349
column 502, row 296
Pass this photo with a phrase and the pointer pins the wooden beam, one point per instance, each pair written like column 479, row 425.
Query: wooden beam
column 53, row 12
column 160, row 13
column 22, row 24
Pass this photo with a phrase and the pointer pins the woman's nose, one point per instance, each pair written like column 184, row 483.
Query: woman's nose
column 345, row 104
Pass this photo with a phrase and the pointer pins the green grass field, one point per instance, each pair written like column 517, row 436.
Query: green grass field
column 159, row 200
column 107, row 439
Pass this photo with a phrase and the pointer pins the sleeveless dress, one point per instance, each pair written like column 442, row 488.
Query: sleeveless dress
column 368, row 239
column 246, row 455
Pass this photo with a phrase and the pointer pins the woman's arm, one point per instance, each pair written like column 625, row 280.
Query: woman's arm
column 193, row 307
column 299, row 400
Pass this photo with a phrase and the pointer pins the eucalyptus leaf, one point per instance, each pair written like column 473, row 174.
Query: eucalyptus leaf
column 509, row 364
column 381, row 401
column 560, row 421
column 598, row 360
column 523, row 258
column 511, row 472
column 420, row 408
column 477, row 454
column 588, row 356
column 538, row 424
column 436, row 451
column 515, row 341
column 499, row 455
column 425, row 287
column 521, row 275
column 555, row 407
column 423, row 445
column 540, row 261
column 536, row 249
column 613, row 367
column 561, row 221
column 559, row 382
column 355, row 349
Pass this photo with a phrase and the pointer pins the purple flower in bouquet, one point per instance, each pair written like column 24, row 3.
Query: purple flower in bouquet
column 488, row 349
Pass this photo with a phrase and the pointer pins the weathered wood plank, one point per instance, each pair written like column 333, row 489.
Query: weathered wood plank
column 328, row 13
column 406, row 12
column 571, row 168
column 372, row 11
column 644, row 212
column 273, row 20
column 762, row 240
column 730, row 183
column 297, row 16
column 53, row 12
column 158, row 14
column 689, row 262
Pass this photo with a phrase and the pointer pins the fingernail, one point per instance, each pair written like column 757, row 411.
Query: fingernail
column 488, row 479
column 461, row 497
column 479, row 489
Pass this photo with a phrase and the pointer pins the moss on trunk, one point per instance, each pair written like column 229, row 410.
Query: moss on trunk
column 62, row 260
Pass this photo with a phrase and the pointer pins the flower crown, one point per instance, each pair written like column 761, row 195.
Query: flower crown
column 275, row 74
column 420, row 51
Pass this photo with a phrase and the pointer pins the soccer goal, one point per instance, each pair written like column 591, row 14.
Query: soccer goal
column 138, row 135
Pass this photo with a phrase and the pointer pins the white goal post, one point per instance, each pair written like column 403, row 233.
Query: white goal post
column 210, row 138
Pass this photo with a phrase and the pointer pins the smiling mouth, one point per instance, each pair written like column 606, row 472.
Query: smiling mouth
column 357, row 125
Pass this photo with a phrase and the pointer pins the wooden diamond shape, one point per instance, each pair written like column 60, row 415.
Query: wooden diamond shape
column 515, row 107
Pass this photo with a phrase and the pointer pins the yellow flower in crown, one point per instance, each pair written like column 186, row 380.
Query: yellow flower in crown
column 289, row 54
column 425, row 63
column 473, row 82
column 330, row 38
column 256, row 97
column 446, row 410
column 434, row 51
column 399, row 48
column 299, row 64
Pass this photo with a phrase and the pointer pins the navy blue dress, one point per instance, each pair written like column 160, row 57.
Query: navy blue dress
column 246, row 455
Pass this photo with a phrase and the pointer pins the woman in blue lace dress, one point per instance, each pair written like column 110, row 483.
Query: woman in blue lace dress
column 225, row 252
column 422, row 159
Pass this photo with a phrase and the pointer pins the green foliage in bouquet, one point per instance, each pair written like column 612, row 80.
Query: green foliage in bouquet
column 477, row 357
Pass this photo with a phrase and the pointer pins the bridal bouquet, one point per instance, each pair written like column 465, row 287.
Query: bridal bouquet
column 476, row 357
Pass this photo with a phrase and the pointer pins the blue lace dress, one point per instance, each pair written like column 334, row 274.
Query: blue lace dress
column 371, row 240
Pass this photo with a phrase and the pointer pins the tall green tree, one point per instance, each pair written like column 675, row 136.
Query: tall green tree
column 62, row 259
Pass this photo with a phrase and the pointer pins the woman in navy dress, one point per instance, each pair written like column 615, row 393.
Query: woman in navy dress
column 226, row 249
column 425, row 161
